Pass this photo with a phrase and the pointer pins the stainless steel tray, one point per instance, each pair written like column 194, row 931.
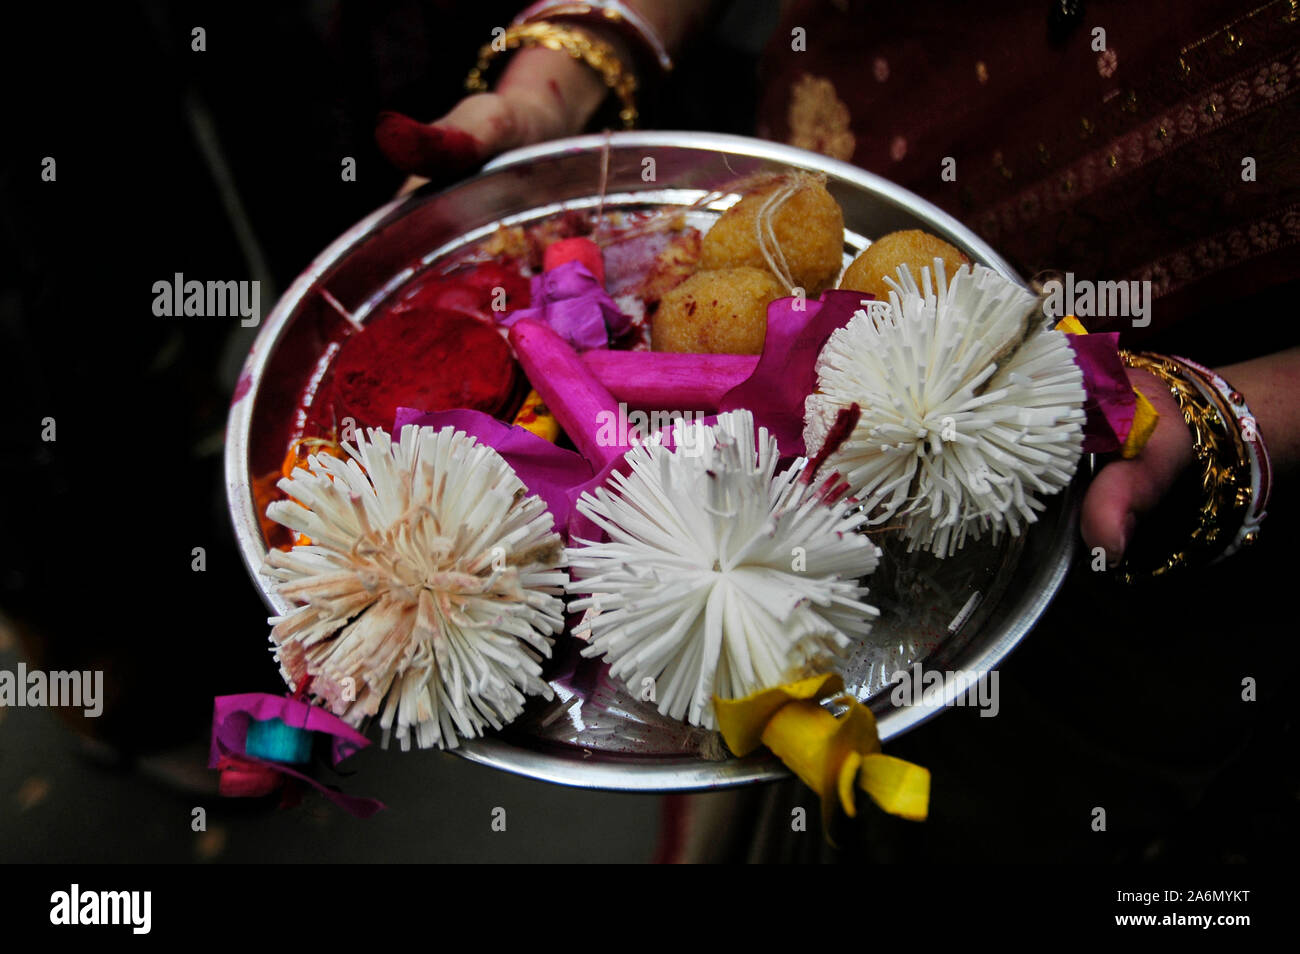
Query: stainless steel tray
column 964, row 613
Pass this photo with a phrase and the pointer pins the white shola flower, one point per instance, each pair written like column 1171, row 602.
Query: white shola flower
column 969, row 407
column 432, row 581
column 719, row 577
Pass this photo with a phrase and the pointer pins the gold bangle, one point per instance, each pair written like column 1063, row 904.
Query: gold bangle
column 1225, row 487
column 597, row 54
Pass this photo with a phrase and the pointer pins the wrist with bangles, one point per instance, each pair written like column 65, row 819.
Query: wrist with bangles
column 574, row 28
column 1230, row 468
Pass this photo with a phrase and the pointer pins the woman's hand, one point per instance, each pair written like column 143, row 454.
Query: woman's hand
column 1123, row 490
column 544, row 94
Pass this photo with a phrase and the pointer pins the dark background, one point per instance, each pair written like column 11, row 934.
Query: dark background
column 225, row 164
column 222, row 163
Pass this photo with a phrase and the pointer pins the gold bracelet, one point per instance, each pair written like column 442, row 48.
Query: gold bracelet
column 597, row 54
column 1225, row 485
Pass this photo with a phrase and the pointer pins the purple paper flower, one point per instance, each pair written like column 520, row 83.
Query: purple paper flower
column 575, row 305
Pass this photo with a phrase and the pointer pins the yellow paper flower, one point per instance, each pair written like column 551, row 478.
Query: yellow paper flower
column 834, row 756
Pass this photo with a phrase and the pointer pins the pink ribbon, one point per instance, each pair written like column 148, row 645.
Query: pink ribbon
column 786, row 374
column 1110, row 403
column 546, row 470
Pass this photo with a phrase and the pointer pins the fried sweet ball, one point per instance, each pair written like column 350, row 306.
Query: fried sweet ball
column 913, row 248
column 809, row 228
column 716, row 312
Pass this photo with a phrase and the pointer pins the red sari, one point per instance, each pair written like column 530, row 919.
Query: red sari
column 1162, row 151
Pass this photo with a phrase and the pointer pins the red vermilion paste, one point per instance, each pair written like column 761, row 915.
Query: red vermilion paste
column 435, row 348
column 469, row 290
column 428, row 359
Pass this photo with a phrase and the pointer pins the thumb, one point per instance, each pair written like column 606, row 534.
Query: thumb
column 1110, row 509
column 1125, row 489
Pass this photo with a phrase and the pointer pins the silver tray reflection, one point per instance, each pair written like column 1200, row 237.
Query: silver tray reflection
column 964, row 613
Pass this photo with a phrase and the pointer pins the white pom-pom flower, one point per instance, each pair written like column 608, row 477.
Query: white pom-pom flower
column 969, row 407
column 433, row 581
column 719, row 577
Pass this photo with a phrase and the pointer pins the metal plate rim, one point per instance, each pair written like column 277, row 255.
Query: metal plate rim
column 626, row 773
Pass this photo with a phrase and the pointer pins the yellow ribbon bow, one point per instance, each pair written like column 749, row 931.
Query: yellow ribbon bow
column 833, row 756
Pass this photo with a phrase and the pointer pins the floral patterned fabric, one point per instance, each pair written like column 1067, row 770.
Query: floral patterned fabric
column 1151, row 142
